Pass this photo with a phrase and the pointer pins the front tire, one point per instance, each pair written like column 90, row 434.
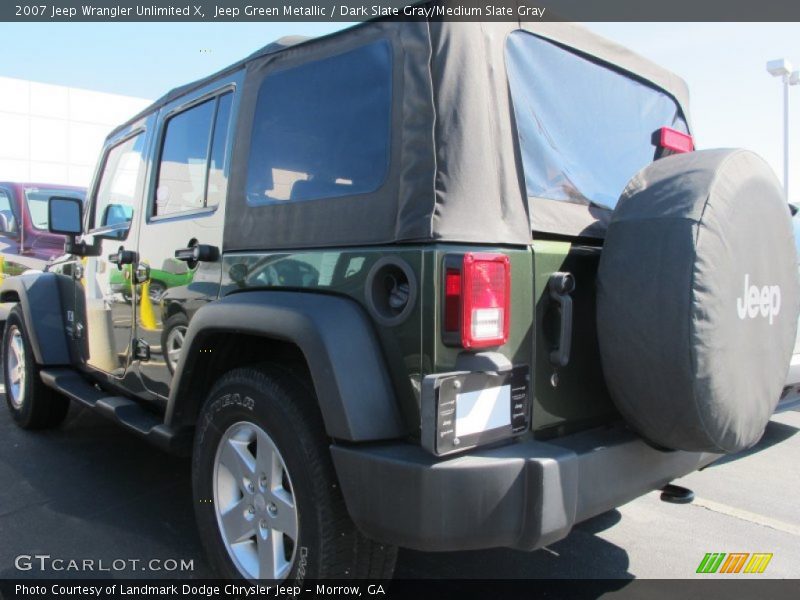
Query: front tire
column 32, row 404
column 268, row 504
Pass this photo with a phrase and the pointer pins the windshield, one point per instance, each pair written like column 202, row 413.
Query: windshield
column 37, row 199
column 584, row 129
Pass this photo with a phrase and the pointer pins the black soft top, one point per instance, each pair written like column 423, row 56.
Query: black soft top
column 454, row 172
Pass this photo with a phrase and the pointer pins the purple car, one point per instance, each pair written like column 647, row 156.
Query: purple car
column 25, row 242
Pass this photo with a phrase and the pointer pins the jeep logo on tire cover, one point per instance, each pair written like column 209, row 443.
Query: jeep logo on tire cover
column 765, row 301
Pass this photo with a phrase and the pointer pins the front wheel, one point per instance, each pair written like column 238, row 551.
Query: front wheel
column 32, row 404
column 268, row 504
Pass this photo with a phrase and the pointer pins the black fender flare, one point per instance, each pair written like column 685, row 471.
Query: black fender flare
column 42, row 308
column 334, row 334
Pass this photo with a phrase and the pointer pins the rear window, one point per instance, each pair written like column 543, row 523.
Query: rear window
column 321, row 129
column 584, row 129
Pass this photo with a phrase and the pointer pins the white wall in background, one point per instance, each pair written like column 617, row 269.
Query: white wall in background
column 54, row 134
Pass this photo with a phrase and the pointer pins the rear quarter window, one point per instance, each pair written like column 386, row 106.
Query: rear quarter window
column 321, row 129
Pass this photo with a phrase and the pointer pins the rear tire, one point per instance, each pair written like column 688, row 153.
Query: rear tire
column 250, row 409
column 32, row 404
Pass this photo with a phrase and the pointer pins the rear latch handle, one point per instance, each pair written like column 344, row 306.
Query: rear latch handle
column 561, row 285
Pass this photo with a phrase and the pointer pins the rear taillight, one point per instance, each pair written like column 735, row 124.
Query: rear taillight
column 477, row 300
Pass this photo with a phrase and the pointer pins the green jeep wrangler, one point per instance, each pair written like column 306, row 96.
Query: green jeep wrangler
column 450, row 286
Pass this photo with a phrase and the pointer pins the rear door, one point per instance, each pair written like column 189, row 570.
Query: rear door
column 184, row 208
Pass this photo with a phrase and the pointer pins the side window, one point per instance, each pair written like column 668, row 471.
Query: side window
column 321, row 129
column 121, row 178
column 191, row 171
column 8, row 224
column 217, row 179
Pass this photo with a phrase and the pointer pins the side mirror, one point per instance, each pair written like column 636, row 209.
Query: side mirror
column 116, row 221
column 6, row 222
column 65, row 216
column 116, row 214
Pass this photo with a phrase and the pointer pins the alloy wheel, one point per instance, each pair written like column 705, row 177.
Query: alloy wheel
column 254, row 503
column 15, row 367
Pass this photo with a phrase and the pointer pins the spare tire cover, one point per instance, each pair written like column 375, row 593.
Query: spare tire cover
column 697, row 302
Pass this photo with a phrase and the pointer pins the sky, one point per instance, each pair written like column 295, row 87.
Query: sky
column 734, row 101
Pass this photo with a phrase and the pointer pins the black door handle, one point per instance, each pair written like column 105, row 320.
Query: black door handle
column 123, row 257
column 561, row 285
column 196, row 253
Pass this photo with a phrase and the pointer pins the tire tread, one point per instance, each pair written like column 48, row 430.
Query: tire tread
column 346, row 552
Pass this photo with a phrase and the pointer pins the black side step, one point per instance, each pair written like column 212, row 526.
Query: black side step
column 124, row 411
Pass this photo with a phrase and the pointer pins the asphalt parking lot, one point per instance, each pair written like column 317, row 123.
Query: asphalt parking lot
column 89, row 490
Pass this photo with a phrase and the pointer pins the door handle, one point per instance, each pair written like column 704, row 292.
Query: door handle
column 197, row 253
column 123, row 257
column 561, row 285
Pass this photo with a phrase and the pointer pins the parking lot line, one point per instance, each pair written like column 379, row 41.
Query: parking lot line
column 746, row 515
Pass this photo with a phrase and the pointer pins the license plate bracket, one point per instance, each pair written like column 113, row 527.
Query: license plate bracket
column 463, row 410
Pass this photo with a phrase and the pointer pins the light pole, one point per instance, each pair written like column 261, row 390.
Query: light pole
column 783, row 68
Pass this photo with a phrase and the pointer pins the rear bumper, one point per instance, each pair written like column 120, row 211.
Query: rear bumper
column 523, row 495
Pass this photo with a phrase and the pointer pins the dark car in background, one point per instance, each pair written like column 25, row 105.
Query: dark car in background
column 25, row 242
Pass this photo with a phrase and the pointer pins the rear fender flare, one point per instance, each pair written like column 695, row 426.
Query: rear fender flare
column 334, row 334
